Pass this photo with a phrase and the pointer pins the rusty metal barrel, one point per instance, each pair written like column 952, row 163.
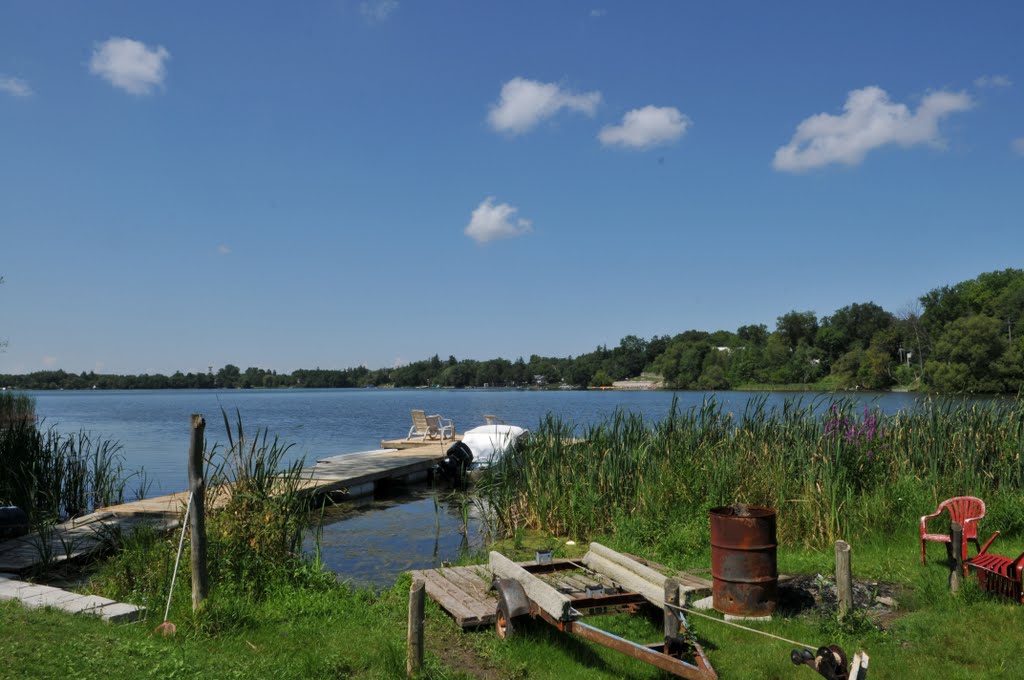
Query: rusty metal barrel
column 744, row 570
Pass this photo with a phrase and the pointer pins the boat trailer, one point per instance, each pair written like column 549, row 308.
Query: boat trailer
column 522, row 595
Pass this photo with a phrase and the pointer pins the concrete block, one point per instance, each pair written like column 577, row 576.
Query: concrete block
column 9, row 589
column 53, row 599
column 31, row 590
column 84, row 604
column 704, row 603
column 734, row 617
column 119, row 612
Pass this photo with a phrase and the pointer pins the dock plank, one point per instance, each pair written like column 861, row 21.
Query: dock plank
column 468, row 611
column 466, row 579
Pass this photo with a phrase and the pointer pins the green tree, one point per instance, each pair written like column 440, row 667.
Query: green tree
column 856, row 324
column 229, row 376
column 967, row 356
column 795, row 327
column 756, row 335
column 632, row 355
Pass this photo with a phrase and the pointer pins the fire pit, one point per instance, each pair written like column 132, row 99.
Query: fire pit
column 744, row 570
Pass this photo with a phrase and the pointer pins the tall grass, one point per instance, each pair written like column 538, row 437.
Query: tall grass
column 50, row 475
column 258, row 510
column 256, row 514
column 832, row 468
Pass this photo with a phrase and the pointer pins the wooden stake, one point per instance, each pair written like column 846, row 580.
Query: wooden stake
column 844, row 578
column 197, row 522
column 859, row 667
column 956, row 534
column 414, row 638
column 671, row 615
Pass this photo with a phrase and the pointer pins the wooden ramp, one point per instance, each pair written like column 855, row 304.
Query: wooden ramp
column 76, row 538
column 352, row 474
column 464, row 592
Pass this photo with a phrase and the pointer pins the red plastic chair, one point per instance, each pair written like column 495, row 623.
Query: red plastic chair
column 997, row 573
column 966, row 510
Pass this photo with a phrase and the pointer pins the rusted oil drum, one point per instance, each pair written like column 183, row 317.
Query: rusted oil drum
column 744, row 570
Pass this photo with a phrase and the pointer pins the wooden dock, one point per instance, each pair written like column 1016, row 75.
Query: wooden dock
column 464, row 592
column 345, row 475
column 420, row 443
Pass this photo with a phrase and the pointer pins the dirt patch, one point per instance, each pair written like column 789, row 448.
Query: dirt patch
column 806, row 593
column 458, row 653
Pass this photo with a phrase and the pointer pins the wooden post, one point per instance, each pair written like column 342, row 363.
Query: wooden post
column 956, row 575
column 671, row 615
column 844, row 578
column 414, row 639
column 197, row 522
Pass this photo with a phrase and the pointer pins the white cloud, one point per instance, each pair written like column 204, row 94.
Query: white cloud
column 16, row 87
column 598, row 13
column 997, row 80
column 1018, row 145
column 646, row 127
column 223, row 249
column 869, row 121
column 49, row 361
column 490, row 222
column 376, row 11
column 524, row 103
column 130, row 64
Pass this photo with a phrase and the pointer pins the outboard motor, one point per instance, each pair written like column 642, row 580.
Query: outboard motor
column 456, row 463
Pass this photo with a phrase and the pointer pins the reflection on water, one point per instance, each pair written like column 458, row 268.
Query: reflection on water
column 371, row 542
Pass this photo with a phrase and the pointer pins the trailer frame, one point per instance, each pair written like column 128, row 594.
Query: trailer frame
column 514, row 603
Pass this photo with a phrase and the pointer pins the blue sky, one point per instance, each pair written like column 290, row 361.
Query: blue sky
column 336, row 183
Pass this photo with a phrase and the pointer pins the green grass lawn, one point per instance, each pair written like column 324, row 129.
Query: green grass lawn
column 336, row 632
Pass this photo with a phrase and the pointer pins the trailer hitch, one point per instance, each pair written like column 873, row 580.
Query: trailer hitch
column 829, row 662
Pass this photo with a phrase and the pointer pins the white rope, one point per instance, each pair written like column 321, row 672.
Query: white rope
column 177, row 560
column 712, row 618
column 736, row 625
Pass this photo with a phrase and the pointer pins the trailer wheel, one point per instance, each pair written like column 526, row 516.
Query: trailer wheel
column 504, row 624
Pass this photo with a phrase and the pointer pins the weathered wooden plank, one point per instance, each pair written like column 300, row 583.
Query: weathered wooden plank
column 556, row 604
column 641, row 570
column 558, row 582
column 573, row 580
column 455, row 601
column 629, row 580
column 467, row 580
column 688, row 582
column 588, row 578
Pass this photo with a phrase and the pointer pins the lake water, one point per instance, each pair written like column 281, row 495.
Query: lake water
column 153, row 425
column 378, row 539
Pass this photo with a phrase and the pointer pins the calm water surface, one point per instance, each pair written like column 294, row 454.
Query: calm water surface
column 152, row 425
column 373, row 542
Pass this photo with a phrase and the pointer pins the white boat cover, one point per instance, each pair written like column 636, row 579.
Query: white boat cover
column 489, row 442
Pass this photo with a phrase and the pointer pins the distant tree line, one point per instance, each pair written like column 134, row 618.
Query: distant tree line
column 961, row 338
